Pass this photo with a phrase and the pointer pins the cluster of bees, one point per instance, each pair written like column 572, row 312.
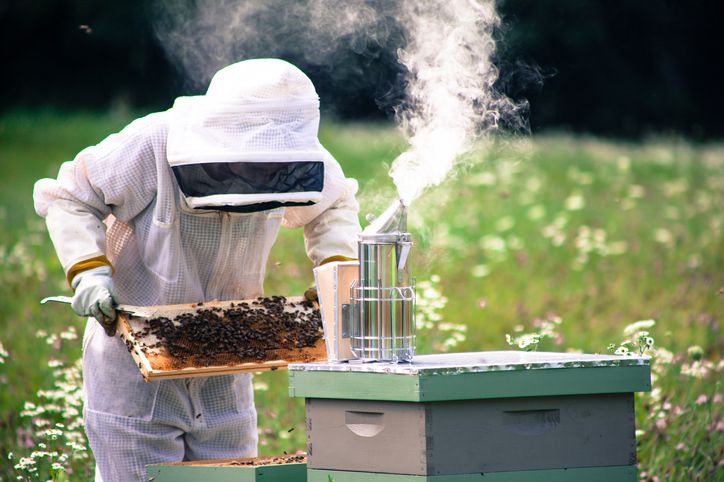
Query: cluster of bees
column 242, row 332
column 278, row 460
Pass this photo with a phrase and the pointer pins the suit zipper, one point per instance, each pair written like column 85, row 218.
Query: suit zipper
column 220, row 266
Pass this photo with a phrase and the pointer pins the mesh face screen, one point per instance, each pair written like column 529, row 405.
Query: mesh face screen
column 207, row 179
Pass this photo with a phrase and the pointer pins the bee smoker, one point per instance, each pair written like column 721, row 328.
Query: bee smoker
column 383, row 297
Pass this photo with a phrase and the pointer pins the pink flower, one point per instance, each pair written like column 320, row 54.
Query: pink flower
column 702, row 399
column 718, row 398
column 661, row 424
column 482, row 303
column 681, row 446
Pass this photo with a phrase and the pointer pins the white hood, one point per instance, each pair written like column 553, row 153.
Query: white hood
column 261, row 113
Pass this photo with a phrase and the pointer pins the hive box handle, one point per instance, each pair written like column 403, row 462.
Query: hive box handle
column 364, row 424
column 531, row 422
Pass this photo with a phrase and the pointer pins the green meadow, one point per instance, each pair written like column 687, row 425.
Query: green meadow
column 560, row 242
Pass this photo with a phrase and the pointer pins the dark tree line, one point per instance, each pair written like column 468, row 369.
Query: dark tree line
column 614, row 67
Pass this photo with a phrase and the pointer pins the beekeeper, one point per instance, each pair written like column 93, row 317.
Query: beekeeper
column 184, row 206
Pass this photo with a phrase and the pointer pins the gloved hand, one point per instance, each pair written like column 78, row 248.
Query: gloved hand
column 95, row 296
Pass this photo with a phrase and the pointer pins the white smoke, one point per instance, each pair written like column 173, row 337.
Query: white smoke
column 449, row 94
column 201, row 37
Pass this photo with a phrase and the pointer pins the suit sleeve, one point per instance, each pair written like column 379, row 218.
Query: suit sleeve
column 332, row 225
column 115, row 177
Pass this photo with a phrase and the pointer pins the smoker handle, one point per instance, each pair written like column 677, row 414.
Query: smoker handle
column 364, row 424
column 404, row 252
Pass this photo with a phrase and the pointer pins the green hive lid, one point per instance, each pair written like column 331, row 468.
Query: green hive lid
column 465, row 376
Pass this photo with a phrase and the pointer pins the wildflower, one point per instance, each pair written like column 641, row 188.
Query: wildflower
column 701, row 399
column 493, row 243
column 663, row 236
column 697, row 369
column 695, row 352
column 53, row 363
column 261, row 386
column 681, row 446
column 661, row 424
column 480, row 271
column 575, row 202
column 536, row 212
column 717, row 398
column 558, row 239
column 663, row 357
column 53, row 433
column 638, row 326
column 3, row 353
column 24, row 463
column 69, row 334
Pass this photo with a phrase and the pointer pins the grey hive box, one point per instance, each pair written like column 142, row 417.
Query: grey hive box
column 491, row 416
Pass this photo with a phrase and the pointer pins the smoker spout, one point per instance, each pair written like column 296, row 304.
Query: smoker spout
column 393, row 220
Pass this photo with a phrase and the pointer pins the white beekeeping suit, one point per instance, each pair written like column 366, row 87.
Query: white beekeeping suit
column 185, row 205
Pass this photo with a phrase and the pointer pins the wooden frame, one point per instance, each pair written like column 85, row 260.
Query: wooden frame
column 157, row 367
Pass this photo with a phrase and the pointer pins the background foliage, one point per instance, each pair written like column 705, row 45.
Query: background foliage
column 604, row 66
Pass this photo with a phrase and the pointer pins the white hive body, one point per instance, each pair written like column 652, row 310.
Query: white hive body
column 383, row 298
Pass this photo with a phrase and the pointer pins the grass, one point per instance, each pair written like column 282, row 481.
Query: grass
column 596, row 233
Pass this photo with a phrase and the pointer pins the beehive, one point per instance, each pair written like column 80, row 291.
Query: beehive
column 259, row 469
column 492, row 416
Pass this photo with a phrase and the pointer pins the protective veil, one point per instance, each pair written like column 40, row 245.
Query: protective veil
column 249, row 145
column 122, row 199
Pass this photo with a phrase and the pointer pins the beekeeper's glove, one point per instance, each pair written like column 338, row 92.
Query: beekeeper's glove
column 95, row 296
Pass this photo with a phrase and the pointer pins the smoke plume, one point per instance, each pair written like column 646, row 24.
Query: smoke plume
column 444, row 101
column 451, row 98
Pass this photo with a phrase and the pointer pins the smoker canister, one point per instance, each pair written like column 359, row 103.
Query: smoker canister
column 383, row 299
